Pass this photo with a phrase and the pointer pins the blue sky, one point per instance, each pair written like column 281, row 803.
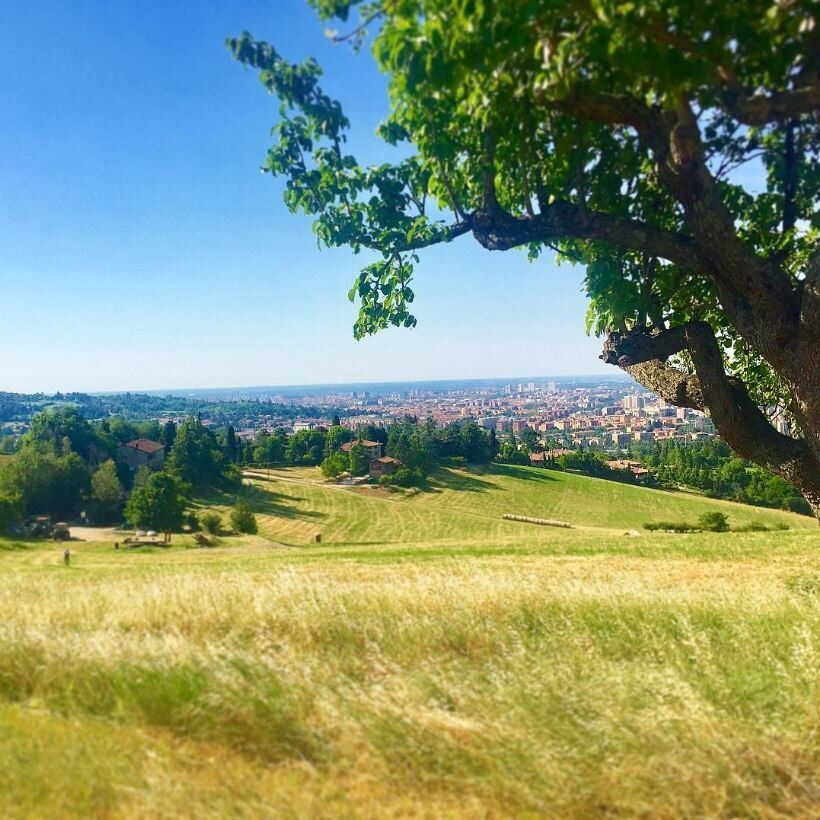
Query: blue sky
column 141, row 248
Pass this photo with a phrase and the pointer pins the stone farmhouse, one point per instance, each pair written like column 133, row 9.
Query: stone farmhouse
column 383, row 466
column 142, row 452
column 372, row 449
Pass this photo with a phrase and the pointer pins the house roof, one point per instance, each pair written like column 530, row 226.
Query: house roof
column 546, row 455
column 350, row 444
column 145, row 445
column 386, row 460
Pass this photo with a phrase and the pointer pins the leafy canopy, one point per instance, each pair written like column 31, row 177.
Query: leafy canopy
column 491, row 101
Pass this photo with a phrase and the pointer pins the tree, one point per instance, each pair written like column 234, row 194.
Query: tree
column 106, row 492
column 529, row 438
column 609, row 132
column 334, row 465
column 475, row 444
column 358, row 463
column 63, row 431
column 142, row 475
column 196, row 458
column 336, row 437
column 269, row 449
column 11, row 511
column 305, row 447
column 412, row 446
column 169, row 435
column 46, row 483
column 243, row 519
column 150, row 429
column 157, row 504
column 121, row 430
column 231, row 445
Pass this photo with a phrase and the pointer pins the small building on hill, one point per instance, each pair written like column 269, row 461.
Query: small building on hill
column 383, row 466
column 635, row 467
column 142, row 452
column 372, row 449
column 547, row 457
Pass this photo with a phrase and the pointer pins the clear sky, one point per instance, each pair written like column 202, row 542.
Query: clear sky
column 141, row 248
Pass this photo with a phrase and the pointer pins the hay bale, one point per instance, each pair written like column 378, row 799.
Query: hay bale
column 544, row 522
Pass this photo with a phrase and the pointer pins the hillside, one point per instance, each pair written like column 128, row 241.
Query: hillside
column 294, row 504
column 440, row 662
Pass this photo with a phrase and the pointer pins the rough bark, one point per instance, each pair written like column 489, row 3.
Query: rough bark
column 499, row 231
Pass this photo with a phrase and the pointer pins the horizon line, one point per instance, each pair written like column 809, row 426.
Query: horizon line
column 172, row 391
column 295, row 386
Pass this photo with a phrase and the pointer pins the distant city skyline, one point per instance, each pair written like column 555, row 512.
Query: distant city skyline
column 317, row 387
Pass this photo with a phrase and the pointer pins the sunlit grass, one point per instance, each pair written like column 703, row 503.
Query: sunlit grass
column 505, row 672
column 295, row 504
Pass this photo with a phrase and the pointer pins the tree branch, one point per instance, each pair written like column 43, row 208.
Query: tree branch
column 672, row 385
column 360, row 30
column 448, row 234
column 790, row 177
column 748, row 285
column 608, row 109
column 489, row 196
column 760, row 109
column 502, row 231
column 643, row 345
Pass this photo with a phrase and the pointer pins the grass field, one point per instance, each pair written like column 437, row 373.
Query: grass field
column 427, row 659
column 469, row 505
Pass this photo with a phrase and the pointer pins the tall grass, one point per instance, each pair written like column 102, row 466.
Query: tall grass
column 253, row 680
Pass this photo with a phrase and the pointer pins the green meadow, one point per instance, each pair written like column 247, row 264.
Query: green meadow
column 466, row 505
column 427, row 658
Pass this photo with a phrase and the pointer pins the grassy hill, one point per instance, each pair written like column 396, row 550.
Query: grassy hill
column 294, row 504
column 428, row 659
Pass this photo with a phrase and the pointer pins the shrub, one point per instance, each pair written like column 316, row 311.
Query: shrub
column 243, row 519
column 714, row 522
column 799, row 504
column 752, row 526
column 404, row 477
column 211, row 522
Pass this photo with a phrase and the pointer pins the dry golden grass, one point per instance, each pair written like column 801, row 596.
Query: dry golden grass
column 432, row 661
column 254, row 680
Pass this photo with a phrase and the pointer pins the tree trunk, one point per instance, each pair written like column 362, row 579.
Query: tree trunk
column 642, row 353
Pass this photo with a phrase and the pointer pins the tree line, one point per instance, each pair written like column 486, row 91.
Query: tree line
column 418, row 447
column 711, row 466
column 65, row 466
